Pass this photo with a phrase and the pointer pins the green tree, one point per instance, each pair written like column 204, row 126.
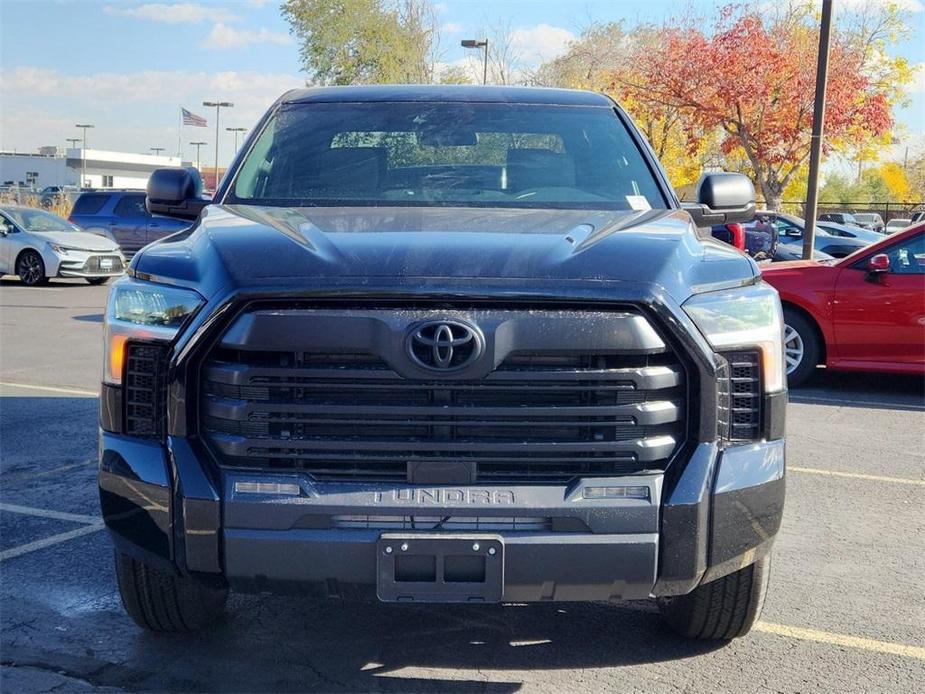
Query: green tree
column 364, row 41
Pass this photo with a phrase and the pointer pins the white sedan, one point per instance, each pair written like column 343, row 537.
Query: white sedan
column 36, row 245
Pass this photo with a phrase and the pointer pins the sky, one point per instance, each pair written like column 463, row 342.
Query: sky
column 126, row 66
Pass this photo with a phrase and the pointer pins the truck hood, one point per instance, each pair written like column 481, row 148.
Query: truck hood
column 310, row 247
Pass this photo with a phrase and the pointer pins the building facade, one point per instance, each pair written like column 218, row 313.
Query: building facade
column 91, row 168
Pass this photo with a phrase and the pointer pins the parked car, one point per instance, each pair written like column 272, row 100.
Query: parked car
column 786, row 252
column 861, row 313
column 846, row 231
column 444, row 344
column 757, row 238
column 917, row 217
column 896, row 224
column 120, row 215
column 869, row 220
column 36, row 245
column 50, row 194
column 839, row 217
column 790, row 233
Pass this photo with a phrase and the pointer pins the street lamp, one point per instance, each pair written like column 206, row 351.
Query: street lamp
column 83, row 153
column 218, row 108
column 236, row 131
column 197, row 145
column 475, row 43
column 73, row 141
column 157, row 150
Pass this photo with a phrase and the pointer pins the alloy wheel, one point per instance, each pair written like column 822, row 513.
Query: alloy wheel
column 30, row 270
column 793, row 348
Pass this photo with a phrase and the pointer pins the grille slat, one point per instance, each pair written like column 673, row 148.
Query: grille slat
column 739, row 396
column 537, row 416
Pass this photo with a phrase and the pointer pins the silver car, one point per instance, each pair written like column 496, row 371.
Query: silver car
column 36, row 245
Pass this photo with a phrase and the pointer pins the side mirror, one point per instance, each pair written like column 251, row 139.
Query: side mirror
column 6, row 229
column 175, row 192
column 878, row 265
column 722, row 198
column 794, row 232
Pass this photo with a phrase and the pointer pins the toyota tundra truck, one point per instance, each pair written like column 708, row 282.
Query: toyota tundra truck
column 444, row 344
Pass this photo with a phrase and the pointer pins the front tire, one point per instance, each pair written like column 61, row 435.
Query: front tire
column 801, row 347
column 31, row 269
column 96, row 280
column 163, row 602
column 722, row 609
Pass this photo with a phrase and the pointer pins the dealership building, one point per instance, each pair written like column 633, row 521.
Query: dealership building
column 91, row 168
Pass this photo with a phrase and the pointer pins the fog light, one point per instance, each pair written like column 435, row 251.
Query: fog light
column 616, row 493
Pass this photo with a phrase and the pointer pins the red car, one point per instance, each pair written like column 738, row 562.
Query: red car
column 865, row 312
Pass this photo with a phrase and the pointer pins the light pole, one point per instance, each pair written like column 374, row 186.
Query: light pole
column 218, row 108
column 83, row 153
column 157, row 150
column 475, row 43
column 815, row 142
column 197, row 145
column 236, row 131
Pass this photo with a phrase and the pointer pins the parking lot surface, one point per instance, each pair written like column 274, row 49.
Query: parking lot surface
column 846, row 610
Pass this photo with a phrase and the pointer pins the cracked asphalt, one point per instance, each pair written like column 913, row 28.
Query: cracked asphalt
column 846, row 610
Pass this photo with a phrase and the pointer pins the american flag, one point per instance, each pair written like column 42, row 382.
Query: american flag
column 192, row 119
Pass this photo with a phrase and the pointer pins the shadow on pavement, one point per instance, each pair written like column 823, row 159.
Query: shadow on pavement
column 868, row 390
column 90, row 318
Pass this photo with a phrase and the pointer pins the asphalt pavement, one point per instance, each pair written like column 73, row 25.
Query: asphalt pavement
column 846, row 610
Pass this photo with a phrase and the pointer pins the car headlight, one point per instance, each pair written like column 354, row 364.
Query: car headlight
column 142, row 311
column 748, row 317
column 60, row 250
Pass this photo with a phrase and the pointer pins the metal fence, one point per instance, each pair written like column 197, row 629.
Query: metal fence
column 887, row 210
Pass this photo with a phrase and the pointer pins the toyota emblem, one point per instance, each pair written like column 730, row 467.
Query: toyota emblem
column 444, row 345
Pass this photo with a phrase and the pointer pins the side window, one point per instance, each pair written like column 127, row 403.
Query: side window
column 131, row 206
column 908, row 258
column 89, row 204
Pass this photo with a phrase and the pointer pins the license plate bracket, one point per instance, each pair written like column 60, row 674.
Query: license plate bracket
column 439, row 568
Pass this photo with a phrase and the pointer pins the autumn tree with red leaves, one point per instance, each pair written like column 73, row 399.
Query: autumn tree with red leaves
column 753, row 81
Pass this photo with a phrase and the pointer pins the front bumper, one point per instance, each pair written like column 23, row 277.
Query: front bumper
column 89, row 264
column 720, row 514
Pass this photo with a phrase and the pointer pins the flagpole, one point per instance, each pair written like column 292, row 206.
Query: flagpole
column 179, row 133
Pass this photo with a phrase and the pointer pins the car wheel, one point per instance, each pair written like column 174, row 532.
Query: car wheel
column 97, row 280
column 31, row 269
column 722, row 609
column 801, row 348
column 164, row 602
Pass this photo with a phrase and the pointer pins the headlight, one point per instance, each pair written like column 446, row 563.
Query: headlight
column 142, row 311
column 743, row 318
column 60, row 250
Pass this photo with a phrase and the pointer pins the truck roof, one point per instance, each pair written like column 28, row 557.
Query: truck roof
column 443, row 92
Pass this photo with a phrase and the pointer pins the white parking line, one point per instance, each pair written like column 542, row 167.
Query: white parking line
column 846, row 640
column 49, row 541
column 51, row 389
column 45, row 513
column 845, row 402
column 856, row 475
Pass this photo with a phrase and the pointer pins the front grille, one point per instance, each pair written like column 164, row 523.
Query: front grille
column 537, row 416
column 144, row 390
column 739, row 387
column 470, row 523
column 93, row 264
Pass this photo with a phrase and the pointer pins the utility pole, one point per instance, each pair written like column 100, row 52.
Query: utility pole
column 197, row 145
column 236, row 131
column 218, row 107
column 83, row 153
column 815, row 146
column 475, row 43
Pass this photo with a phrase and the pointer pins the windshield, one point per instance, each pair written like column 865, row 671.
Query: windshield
column 39, row 220
column 472, row 154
